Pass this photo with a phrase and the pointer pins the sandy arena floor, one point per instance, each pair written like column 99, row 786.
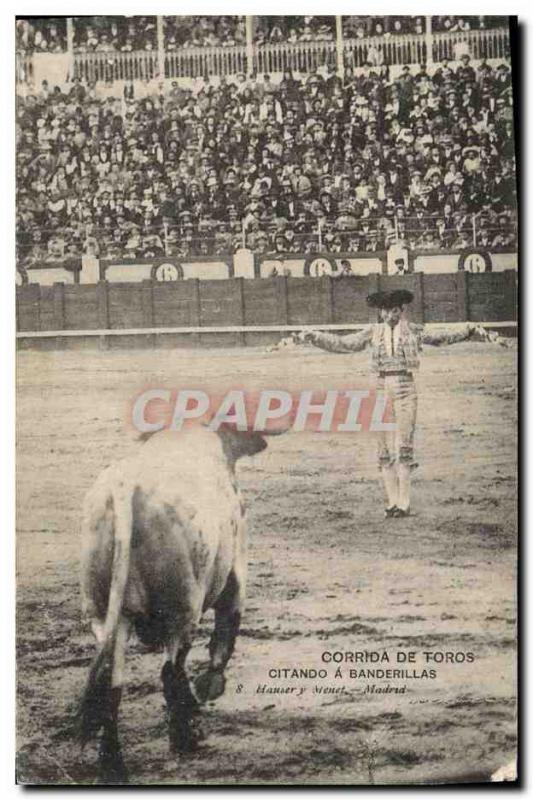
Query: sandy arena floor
column 327, row 573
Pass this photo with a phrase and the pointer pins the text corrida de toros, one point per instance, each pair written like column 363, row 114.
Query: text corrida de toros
column 380, row 668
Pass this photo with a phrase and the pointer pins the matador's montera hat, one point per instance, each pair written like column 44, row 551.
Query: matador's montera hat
column 393, row 299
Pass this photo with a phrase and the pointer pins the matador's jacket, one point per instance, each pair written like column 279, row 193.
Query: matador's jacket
column 392, row 349
column 394, row 357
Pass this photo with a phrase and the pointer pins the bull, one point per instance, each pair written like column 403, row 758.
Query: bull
column 163, row 540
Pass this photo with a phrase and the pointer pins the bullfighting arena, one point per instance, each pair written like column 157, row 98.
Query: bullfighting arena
column 327, row 574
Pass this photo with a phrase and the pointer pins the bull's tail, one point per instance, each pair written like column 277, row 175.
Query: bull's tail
column 95, row 702
column 93, row 708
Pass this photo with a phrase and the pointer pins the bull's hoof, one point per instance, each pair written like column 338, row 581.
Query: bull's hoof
column 113, row 772
column 186, row 738
column 209, row 686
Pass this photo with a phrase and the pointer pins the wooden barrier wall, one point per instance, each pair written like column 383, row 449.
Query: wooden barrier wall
column 280, row 301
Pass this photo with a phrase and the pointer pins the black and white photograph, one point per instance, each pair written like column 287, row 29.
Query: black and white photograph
column 266, row 399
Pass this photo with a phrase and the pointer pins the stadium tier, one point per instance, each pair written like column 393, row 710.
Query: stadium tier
column 322, row 156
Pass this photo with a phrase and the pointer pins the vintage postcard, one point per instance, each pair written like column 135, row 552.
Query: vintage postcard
column 267, row 275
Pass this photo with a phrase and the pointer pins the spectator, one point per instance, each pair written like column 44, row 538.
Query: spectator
column 294, row 29
column 44, row 35
column 195, row 31
column 125, row 34
column 180, row 168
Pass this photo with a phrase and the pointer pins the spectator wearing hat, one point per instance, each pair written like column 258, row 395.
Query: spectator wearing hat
column 400, row 266
column 471, row 161
column 300, row 183
column 346, row 270
column 373, row 242
column 465, row 73
column 502, row 80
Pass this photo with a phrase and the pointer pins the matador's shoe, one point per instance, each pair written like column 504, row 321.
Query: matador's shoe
column 399, row 513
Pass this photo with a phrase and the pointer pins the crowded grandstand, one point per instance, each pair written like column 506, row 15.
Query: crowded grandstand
column 335, row 157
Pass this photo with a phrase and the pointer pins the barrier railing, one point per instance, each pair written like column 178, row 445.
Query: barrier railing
column 275, row 58
column 268, row 306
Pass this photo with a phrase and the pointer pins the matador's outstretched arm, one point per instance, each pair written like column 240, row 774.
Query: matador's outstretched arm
column 355, row 342
column 444, row 334
column 352, row 343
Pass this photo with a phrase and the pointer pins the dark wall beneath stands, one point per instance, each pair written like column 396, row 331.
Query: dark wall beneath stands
column 489, row 297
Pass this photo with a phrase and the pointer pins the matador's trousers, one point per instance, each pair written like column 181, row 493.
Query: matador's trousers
column 398, row 446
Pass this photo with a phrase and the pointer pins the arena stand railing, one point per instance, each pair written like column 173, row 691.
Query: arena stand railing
column 489, row 44
column 324, row 236
column 298, row 56
column 404, row 48
column 112, row 66
column 197, row 62
column 303, row 56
